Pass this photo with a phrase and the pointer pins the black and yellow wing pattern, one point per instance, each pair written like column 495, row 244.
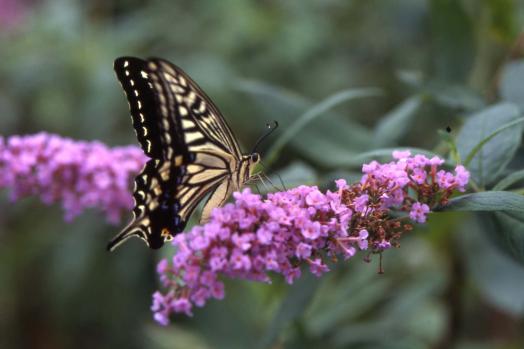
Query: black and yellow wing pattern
column 192, row 149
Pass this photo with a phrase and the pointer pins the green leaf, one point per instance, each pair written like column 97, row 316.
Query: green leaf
column 509, row 234
column 341, row 158
column 492, row 153
column 479, row 146
column 509, row 180
column 504, row 21
column 486, row 201
column 314, row 112
column 348, row 300
column 511, row 86
column 333, row 135
column 453, row 40
column 295, row 174
column 394, row 125
column 450, row 95
column 295, row 303
column 175, row 337
column 384, row 154
column 454, row 96
column 499, row 278
column 412, row 78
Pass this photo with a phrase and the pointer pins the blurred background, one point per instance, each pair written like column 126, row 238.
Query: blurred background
column 427, row 64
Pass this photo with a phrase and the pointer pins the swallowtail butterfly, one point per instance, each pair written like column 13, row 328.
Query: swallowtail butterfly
column 192, row 149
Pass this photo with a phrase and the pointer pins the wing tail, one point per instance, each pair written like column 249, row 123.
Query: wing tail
column 128, row 232
column 135, row 229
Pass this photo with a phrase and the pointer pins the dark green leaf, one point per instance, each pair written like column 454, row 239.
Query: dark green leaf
column 394, row 125
column 453, row 45
column 509, row 180
column 314, row 112
column 453, row 49
column 454, row 96
column 509, row 233
column 295, row 174
column 332, row 135
column 503, row 19
column 383, row 155
column 489, row 137
column 339, row 157
column 176, row 337
column 511, row 86
column 493, row 157
column 295, row 303
column 499, row 278
column 487, row 201
column 345, row 298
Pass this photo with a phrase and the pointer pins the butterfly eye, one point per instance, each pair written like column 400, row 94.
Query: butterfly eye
column 255, row 157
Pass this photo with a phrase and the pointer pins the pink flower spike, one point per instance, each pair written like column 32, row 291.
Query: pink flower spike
column 76, row 174
column 256, row 236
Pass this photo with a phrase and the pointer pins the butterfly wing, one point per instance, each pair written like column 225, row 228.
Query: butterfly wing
column 195, row 107
column 192, row 148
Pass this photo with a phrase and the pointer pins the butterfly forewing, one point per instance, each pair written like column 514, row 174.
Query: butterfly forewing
column 131, row 73
column 196, row 110
column 192, row 148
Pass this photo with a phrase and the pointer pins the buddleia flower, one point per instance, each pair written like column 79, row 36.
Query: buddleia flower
column 303, row 228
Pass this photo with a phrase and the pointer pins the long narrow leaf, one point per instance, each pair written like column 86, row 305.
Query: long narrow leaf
column 384, row 153
column 488, row 141
column 487, row 201
column 295, row 303
column 338, row 136
column 509, row 180
column 479, row 146
column 395, row 124
column 316, row 111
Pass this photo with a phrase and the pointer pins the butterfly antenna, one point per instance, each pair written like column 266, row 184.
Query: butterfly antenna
column 281, row 181
column 270, row 181
column 263, row 182
column 264, row 136
column 258, row 189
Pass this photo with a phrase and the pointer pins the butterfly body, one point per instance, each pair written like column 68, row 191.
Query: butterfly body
column 192, row 149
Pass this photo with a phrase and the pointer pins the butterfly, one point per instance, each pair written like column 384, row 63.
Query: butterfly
column 192, row 150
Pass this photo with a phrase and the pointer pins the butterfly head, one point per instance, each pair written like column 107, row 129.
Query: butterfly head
column 254, row 159
column 248, row 165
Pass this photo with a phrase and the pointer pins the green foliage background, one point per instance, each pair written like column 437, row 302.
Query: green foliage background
column 404, row 70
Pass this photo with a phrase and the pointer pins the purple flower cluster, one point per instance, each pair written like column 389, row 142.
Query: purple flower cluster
column 421, row 175
column 253, row 236
column 77, row 174
column 250, row 238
